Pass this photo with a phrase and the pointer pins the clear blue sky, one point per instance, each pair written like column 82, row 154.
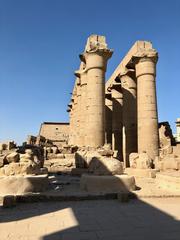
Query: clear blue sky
column 40, row 41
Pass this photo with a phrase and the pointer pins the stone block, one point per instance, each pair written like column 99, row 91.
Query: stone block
column 116, row 183
column 23, row 184
column 149, row 173
column 105, row 166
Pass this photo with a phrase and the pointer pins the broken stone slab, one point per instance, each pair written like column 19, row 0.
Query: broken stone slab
column 116, row 183
column 149, row 173
column 23, row 184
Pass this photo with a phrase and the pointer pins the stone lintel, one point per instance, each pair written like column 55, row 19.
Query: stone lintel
column 139, row 46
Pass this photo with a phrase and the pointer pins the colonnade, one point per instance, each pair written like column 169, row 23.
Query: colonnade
column 124, row 111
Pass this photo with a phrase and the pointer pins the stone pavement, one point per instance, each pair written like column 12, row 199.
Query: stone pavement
column 156, row 218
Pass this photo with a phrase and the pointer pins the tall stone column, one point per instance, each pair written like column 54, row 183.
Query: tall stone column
column 70, row 110
column 82, row 74
column 117, row 102
column 108, row 118
column 128, row 82
column 148, row 134
column 75, row 119
column 78, row 114
column 96, row 56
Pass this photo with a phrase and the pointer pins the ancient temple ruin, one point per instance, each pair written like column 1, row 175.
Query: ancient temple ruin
column 121, row 111
column 113, row 137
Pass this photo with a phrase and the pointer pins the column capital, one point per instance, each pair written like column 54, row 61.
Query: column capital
column 126, row 72
column 128, row 78
column 145, row 55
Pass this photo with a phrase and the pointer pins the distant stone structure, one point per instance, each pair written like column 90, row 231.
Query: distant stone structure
column 113, row 130
column 56, row 132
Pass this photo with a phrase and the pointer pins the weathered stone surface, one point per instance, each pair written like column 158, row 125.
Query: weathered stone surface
column 13, row 157
column 105, row 166
column 140, row 161
column 98, row 164
column 116, row 183
column 23, row 184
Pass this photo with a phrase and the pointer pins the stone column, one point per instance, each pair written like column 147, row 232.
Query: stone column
column 75, row 119
column 96, row 61
column 128, row 82
column 70, row 111
column 108, row 118
column 78, row 114
column 83, row 110
column 117, row 102
column 148, row 134
column 71, row 132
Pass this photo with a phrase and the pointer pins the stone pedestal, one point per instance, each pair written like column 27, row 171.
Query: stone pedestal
column 148, row 135
column 117, row 102
column 128, row 82
column 111, row 184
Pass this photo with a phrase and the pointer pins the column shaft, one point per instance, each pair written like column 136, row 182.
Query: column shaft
column 129, row 116
column 95, row 105
column 108, row 119
column 117, row 102
column 148, row 134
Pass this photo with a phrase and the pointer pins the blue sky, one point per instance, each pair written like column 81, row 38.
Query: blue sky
column 40, row 41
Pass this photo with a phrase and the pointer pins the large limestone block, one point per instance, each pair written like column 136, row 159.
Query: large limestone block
column 116, row 183
column 23, row 184
column 105, row 166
